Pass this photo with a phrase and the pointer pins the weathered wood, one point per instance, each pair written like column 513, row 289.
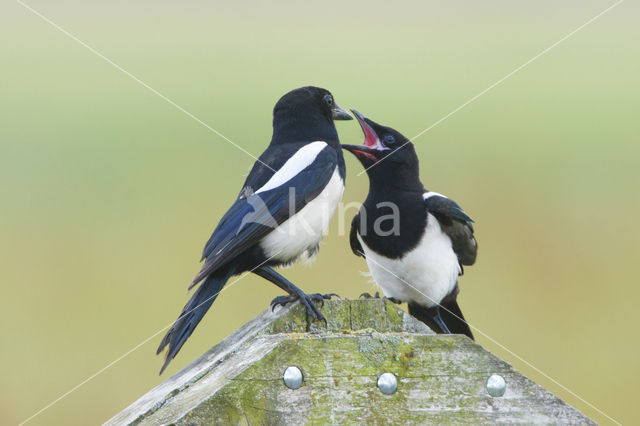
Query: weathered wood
column 441, row 378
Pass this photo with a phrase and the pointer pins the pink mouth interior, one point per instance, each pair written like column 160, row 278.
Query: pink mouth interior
column 370, row 137
column 370, row 156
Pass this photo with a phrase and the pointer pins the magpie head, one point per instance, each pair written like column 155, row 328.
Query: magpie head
column 307, row 113
column 383, row 145
column 313, row 101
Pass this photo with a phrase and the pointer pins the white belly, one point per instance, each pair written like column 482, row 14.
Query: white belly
column 425, row 275
column 300, row 234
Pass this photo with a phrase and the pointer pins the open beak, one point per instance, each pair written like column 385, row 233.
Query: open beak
column 370, row 151
column 367, row 156
column 339, row 114
column 371, row 139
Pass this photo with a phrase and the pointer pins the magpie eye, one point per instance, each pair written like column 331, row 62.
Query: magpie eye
column 389, row 140
column 328, row 99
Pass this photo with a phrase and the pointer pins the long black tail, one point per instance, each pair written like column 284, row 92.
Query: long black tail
column 450, row 314
column 193, row 312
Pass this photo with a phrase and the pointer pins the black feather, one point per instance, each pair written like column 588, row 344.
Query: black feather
column 193, row 312
column 356, row 247
column 449, row 312
column 457, row 225
column 299, row 117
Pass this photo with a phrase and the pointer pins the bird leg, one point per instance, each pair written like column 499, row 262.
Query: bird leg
column 295, row 293
column 434, row 314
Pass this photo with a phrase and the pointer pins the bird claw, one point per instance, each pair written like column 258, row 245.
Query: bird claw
column 281, row 301
column 307, row 300
column 317, row 297
column 377, row 296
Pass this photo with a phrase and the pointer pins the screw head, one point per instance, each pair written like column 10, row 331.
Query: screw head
column 292, row 377
column 387, row 383
column 496, row 385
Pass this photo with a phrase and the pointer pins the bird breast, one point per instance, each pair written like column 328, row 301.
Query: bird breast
column 302, row 232
column 425, row 274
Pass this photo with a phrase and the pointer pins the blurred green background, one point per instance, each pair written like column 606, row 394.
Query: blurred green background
column 108, row 193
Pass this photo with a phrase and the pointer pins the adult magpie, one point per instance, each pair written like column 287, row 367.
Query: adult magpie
column 418, row 255
column 281, row 213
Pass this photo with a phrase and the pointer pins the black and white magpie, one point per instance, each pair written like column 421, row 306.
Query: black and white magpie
column 281, row 213
column 418, row 255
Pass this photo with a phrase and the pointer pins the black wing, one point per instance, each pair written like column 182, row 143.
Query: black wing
column 253, row 216
column 353, row 236
column 456, row 224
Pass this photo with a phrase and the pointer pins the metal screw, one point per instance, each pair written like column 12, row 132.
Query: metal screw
column 387, row 383
column 496, row 385
column 292, row 377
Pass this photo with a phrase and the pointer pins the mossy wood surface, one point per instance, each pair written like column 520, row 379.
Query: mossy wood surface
column 441, row 378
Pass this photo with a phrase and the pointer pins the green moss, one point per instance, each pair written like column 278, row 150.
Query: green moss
column 295, row 321
column 441, row 378
column 394, row 316
column 343, row 316
column 369, row 313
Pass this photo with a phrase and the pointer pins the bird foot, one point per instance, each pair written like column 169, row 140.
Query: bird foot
column 377, row 296
column 308, row 301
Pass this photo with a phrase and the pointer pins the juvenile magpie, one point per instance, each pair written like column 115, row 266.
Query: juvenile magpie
column 415, row 241
column 281, row 213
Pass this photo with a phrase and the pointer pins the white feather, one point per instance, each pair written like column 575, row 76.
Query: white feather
column 424, row 275
column 430, row 194
column 294, row 165
column 301, row 233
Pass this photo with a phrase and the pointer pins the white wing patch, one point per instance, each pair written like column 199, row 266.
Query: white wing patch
column 294, row 165
column 303, row 231
column 430, row 194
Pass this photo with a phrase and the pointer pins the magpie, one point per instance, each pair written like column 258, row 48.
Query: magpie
column 281, row 212
column 420, row 252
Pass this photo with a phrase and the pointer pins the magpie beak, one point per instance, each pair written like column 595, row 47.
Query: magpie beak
column 339, row 114
column 278, row 217
column 373, row 149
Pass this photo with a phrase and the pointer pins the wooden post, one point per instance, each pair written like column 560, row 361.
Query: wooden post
column 440, row 378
